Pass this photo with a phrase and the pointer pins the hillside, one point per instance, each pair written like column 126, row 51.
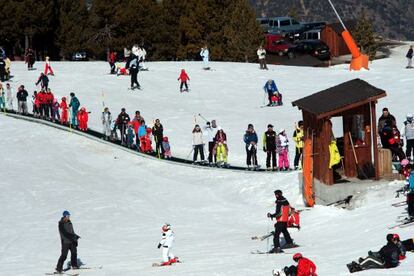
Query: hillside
column 391, row 18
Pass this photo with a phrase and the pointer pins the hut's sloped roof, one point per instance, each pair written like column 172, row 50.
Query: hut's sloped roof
column 340, row 98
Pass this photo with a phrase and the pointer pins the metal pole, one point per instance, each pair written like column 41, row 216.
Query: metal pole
column 337, row 15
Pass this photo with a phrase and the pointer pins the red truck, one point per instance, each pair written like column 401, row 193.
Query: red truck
column 275, row 43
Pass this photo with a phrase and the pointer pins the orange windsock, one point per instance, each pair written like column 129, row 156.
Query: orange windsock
column 350, row 42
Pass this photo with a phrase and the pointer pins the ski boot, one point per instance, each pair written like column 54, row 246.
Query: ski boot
column 276, row 250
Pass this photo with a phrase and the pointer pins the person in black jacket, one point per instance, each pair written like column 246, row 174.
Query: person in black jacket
column 122, row 123
column 22, row 100
column 133, row 66
column 269, row 146
column 409, row 57
column 157, row 131
column 2, row 69
column 387, row 257
column 69, row 241
column 43, row 80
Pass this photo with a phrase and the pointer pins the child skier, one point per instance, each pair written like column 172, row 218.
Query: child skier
column 55, row 111
column 250, row 139
column 36, row 104
column 64, row 111
column 167, row 242
column 106, row 123
column 183, row 78
column 220, row 148
column 82, row 117
column 166, row 147
column 273, row 94
column 282, row 149
column 9, row 95
column 130, row 136
column 48, row 68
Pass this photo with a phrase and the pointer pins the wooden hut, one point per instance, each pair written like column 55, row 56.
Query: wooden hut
column 331, row 34
column 355, row 102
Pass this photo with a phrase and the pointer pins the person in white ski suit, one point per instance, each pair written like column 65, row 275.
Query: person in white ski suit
column 167, row 242
column 141, row 56
column 106, row 123
column 9, row 96
column 204, row 53
column 135, row 50
column 210, row 131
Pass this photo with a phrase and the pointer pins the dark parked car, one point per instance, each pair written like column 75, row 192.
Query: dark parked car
column 80, row 56
column 315, row 48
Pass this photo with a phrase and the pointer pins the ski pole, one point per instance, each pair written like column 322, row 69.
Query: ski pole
column 202, row 117
column 267, row 240
column 188, row 156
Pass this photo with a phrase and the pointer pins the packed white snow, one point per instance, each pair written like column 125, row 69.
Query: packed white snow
column 119, row 201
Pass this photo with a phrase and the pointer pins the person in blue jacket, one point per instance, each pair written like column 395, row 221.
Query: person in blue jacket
column 271, row 89
column 74, row 104
column 250, row 139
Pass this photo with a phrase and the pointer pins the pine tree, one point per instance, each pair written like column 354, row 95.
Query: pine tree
column 242, row 33
column 364, row 36
column 73, row 20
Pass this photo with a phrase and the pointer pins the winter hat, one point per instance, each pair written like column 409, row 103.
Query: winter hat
column 66, row 213
column 297, row 256
column 278, row 192
column 281, row 130
column 166, row 227
column 409, row 116
column 404, row 162
column 390, row 237
column 384, row 109
column 300, row 123
column 396, row 237
column 249, row 126
column 165, row 139
column 269, row 125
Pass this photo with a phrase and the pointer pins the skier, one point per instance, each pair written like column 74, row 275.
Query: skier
column 409, row 57
column 298, row 138
column 74, row 104
column 2, row 98
column 282, row 216
column 183, row 78
column 130, row 135
column 69, row 241
column 48, row 68
column 29, row 58
column 22, row 100
column 158, row 133
column 55, row 111
column 9, row 95
column 106, row 123
column 166, row 147
column 387, row 257
column 386, row 116
column 35, row 104
column 261, row 55
column 250, row 139
column 394, row 142
column 142, row 54
column 282, row 148
column 82, row 117
column 112, row 60
column 64, row 111
column 42, row 100
column 273, row 94
column 220, row 148
column 269, row 146
column 8, row 65
column 146, row 141
column 210, row 130
column 198, row 143
column 136, row 123
column 133, row 66
column 305, row 267
column 205, row 55
column 49, row 102
column 167, row 242
column 43, row 80
column 409, row 135
column 2, row 69
column 122, row 123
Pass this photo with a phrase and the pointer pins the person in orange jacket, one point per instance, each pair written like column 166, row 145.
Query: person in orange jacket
column 183, row 78
column 282, row 217
column 146, row 141
column 305, row 267
column 82, row 117
column 64, row 111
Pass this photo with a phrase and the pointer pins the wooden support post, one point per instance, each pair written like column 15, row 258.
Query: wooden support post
column 374, row 137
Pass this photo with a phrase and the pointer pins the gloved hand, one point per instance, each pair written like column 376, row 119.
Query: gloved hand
column 264, row 149
column 159, row 245
column 269, row 215
column 75, row 243
column 78, row 237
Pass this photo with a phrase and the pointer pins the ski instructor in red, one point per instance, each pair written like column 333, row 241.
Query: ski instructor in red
column 282, row 216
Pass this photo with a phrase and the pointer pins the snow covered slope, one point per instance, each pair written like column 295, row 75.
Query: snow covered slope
column 119, row 202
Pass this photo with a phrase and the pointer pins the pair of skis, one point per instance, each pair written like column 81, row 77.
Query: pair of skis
column 72, row 272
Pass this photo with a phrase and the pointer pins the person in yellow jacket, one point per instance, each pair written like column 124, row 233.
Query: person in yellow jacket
column 298, row 138
column 334, row 156
column 7, row 68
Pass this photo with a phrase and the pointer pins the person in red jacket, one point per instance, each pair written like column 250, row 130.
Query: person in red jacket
column 183, row 78
column 112, row 60
column 44, row 111
column 82, row 117
column 64, row 111
column 146, row 141
column 305, row 266
column 49, row 102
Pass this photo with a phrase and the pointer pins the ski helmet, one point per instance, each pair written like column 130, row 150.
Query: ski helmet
column 166, row 227
column 409, row 116
column 396, row 237
column 66, row 213
column 404, row 162
column 297, row 256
